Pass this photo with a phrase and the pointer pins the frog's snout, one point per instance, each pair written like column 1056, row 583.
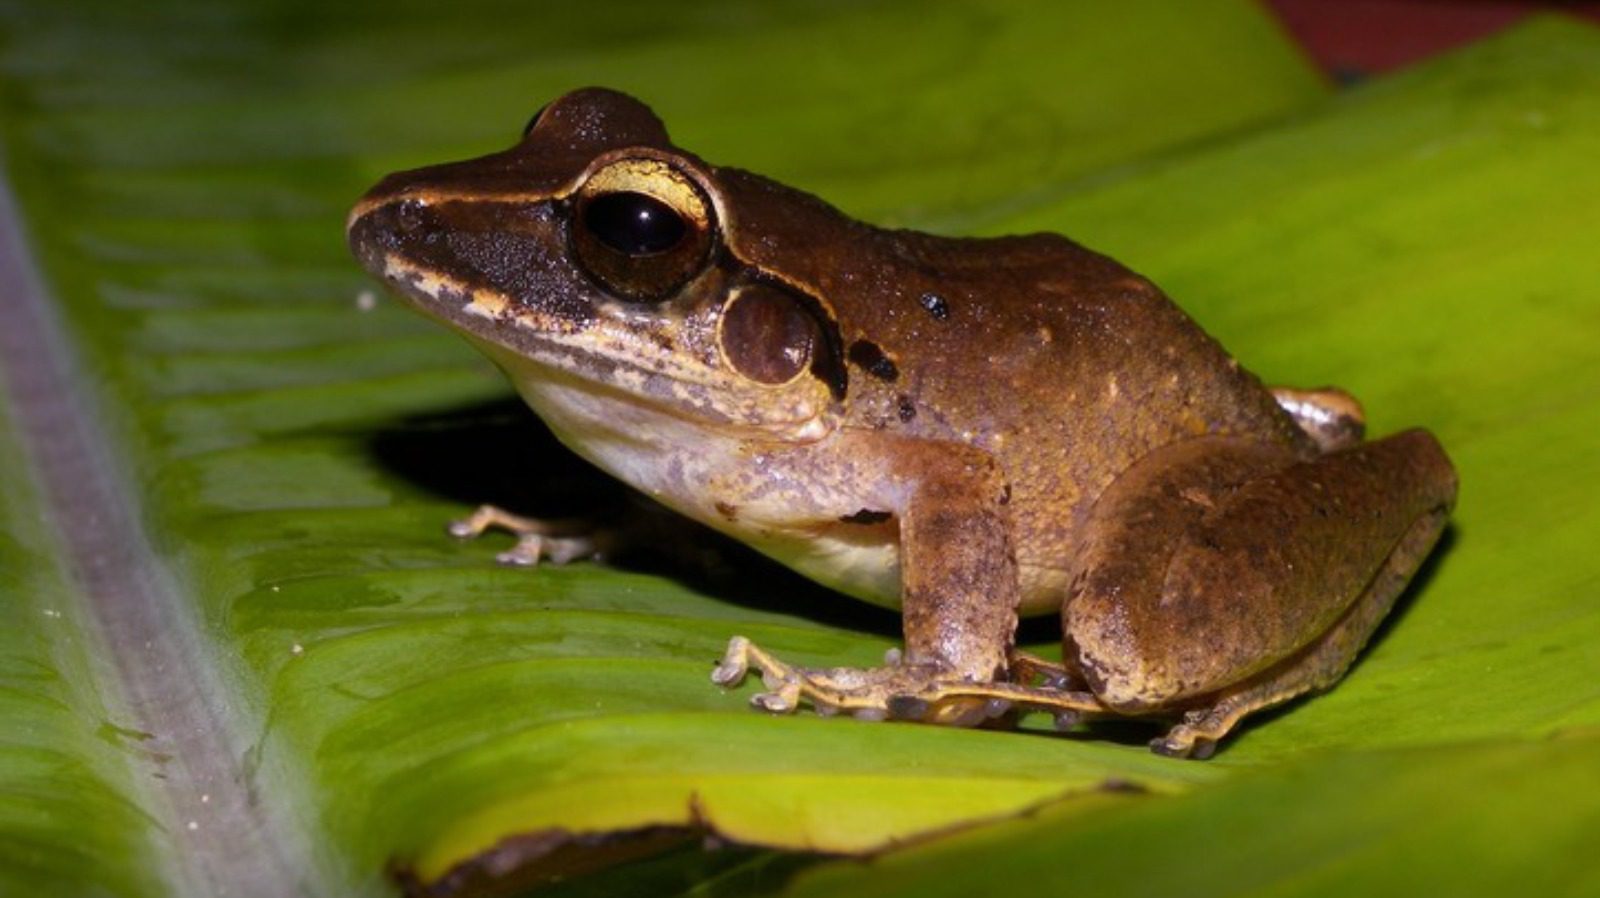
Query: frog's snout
column 376, row 227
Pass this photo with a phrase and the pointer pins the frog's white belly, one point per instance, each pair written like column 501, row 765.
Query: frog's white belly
column 719, row 482
column 871, row 572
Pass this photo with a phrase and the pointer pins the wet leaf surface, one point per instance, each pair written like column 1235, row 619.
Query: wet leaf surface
column 292, row 451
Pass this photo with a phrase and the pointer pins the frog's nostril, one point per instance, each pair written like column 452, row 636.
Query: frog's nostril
column 409, row 215
column 359, row 234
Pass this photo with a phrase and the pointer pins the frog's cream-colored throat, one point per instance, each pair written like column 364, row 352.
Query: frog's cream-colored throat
column 608, row 358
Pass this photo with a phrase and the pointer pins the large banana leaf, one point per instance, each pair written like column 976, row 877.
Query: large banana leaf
column 394, row 699
column 71, row 821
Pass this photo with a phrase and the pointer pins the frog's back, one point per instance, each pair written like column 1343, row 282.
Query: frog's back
column 1062, row 363
column 1062, row 328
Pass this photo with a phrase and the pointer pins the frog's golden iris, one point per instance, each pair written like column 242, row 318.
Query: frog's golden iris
column 641, row 229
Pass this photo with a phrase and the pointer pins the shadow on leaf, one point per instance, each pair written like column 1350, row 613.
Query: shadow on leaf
column 501, row 453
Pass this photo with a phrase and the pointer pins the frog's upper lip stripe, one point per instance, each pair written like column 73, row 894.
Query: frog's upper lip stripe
column 480, row 312
column 433, row 196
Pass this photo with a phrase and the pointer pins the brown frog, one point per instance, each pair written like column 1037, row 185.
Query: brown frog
column 965, row 429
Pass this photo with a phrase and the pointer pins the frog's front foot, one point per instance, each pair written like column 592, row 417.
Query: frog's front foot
column 898, row 690
column 538, row 540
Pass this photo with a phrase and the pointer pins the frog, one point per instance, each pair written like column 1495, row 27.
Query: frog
column 968, row 430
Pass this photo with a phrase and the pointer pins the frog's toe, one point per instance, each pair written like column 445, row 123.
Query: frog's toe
column 945, row 710
column 1066, row 720
column 908, row 707
column 557, row 542
column 1194, row 739
column 532, row 548
column 735, row 663
column 785, row 685
column 875, row 693
column 784, row 699
column 900, row 691
column 1196, row 750
column 1171, row 748
column 870, row 693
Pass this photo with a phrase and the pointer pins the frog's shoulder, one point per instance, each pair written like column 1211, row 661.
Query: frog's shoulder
column 811, row 243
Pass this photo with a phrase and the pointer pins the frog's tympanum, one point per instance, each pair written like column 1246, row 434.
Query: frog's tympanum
column 965, row 429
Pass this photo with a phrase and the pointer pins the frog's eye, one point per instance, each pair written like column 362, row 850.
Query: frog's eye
column 636, row 224
column 641, row 228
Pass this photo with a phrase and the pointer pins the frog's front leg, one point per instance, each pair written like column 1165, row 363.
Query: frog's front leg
column 959, row 595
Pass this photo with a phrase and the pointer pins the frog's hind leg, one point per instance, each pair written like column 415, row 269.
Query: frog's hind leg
column 1221, row 576
column 1029, row 668
column 1320, row 665
column 1053, row 687
column 1068, row 706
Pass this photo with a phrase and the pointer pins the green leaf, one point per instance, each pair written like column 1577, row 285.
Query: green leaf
column 1428, row 241
column 72, row 821
column 389, row 697
column 1459, row 819
column 1425, row 242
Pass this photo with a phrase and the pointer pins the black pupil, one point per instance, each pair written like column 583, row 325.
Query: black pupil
column 634, row 223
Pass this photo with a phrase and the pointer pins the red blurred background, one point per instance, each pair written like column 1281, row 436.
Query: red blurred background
column 1352, row 39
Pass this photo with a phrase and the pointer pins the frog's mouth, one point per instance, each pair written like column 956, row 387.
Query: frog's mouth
column 571, row 342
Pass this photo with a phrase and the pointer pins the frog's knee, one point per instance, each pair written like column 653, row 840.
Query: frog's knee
column 1429, row 470
column 1124, row 676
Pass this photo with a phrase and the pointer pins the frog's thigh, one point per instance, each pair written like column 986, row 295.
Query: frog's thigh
column 1218, row 567
column 1320, row 664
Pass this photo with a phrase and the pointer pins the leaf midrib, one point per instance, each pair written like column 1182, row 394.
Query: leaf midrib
column 134, row 614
